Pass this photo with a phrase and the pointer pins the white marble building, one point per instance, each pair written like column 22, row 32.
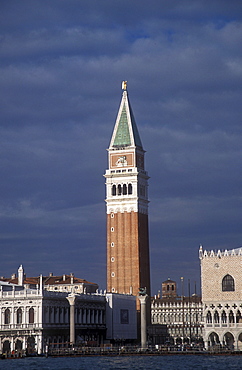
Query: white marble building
column 182, row 316
column 33, row 318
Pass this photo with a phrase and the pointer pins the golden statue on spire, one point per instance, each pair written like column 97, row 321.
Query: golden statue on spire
column 124, row 85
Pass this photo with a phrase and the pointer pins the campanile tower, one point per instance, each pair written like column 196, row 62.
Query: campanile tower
column 128, row 265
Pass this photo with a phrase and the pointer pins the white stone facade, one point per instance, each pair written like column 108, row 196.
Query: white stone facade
column 221, row 275
column 181, row 315
column 137, row 200
column 68, row 284
column 32, row 320
column 20, row 320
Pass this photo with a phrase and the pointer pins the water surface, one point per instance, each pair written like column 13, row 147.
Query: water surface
column 201, row 362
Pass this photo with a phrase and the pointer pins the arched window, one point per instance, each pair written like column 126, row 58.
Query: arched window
column 6, row 346
column 238, row 317
column 119, row 189
column 19, row 316
column 124, row 189
column 130, row 189
column 30, row 344
column 18, row 345
column 7, row 316
column 228, row 284
column 224, row 317
column 231, row 317
column 31, row 315
column 114, row 190
column 160, row 318
column 216, row 317
column 209, row 318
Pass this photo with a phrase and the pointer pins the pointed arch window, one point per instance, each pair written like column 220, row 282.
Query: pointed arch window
column 124, row 189
column 209, row 318
column 224, row 317
column 238, row 317
column 130, row 189
column 231, row 317
column 228, row 283
column 216, row 317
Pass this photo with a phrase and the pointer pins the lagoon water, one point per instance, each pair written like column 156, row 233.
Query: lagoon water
column 201, row 362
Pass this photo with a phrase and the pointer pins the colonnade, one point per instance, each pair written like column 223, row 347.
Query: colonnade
column 83, row 315
column 227, row 316
column 223, row 339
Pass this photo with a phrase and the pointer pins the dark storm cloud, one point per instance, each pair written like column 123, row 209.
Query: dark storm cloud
column 62, row 63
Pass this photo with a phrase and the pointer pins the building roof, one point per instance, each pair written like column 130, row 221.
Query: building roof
column 125, row 131
column 194, row 298
column 6, row 283
column 50, row 280
column 169, row 281
column 65, row 279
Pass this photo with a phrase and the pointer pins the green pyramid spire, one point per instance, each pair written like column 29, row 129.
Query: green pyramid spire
column 122, row 137
column 125, row 131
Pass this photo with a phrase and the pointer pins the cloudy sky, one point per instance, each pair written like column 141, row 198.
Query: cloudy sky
column 61, row 67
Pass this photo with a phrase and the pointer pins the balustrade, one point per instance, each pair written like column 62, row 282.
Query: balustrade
column 20, row 326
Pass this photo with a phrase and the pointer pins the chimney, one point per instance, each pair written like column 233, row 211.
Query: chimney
column 72, row 278
column 41, row 282
column 13, row 276
column 21, row 275
column 50, row 274
column 64, row 277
